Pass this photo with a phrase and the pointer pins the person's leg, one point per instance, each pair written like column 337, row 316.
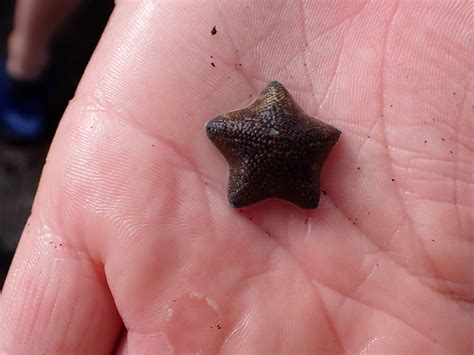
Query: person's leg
column 35, row 23
column 23, row 84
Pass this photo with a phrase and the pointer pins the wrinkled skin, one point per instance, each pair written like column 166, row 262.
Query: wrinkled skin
column 131, row 246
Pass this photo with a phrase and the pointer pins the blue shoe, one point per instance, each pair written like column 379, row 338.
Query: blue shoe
column 22, row 108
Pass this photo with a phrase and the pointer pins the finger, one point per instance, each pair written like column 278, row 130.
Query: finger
column 55, row 297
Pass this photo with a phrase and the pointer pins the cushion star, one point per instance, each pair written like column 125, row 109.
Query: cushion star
column 273, row 149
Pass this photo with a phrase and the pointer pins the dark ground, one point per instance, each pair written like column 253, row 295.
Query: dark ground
column 20, row 166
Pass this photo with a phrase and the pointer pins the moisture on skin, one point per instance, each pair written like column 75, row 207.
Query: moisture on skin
column 273, row 149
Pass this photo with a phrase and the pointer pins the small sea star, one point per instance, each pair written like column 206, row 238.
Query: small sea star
column 273, row 148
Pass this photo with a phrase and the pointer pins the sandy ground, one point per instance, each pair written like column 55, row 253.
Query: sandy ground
column 20, row 169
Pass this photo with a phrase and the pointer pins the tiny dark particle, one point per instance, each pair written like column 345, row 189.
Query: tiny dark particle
column 205, row 183
column 377, row 265
column 268, row 233
column 174, row 300
column 306, row 221
column 358, row 168
column 391, row 105
column 273, row 149
column 324, row 192
column 454, row 93
column 213, row 64
column 152, row 145
column 60, row 244
column 212, row 57
column 432, row 240
column 451, row 151
column 443, row 139
column 368, row 136
column 426, row 141
column 393, row 179
column 213, row 31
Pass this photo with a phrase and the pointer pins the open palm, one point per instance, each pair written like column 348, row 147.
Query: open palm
column 132, row 246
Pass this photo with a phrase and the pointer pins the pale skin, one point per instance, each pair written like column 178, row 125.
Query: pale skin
column 35, row 24
column 131, row 246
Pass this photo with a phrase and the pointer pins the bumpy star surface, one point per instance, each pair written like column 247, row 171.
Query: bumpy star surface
column 273, row 148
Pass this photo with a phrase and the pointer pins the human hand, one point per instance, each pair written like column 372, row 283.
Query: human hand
column 131, row 240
